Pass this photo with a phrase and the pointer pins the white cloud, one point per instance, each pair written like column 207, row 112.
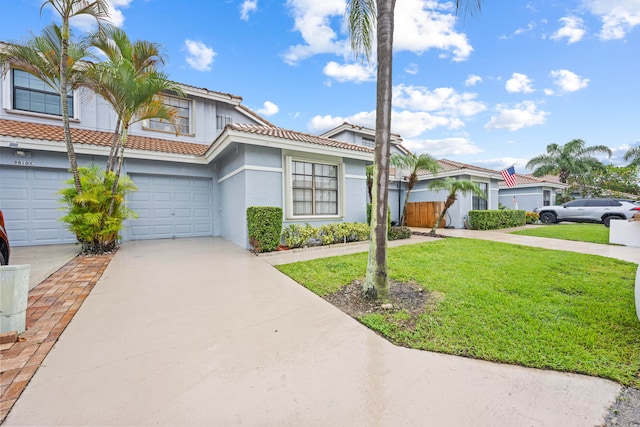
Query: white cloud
column 357, row 73
column 443, row 101
column 87, row 23
column 499, row 163
column 411, row 69
column 247, row 7
column 523, row 115
column 472, row 80
column 313, row 20
column 549, row 92
column 518, row 83
column 573, row 29
column 519, row 31
column 420, row 25
column 442, row 147
column 268, row 109
column 568, row 81
column 618, row 17
column 199, row 56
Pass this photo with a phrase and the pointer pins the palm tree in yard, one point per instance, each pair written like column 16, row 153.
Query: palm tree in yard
column 569, row 160
column 68, row 9
column 453, row 186
column 131, row 83
column 368, row 17
column 633, row 157
column 413, row 163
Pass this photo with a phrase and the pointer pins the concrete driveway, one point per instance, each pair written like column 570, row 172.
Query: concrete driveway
column 200, row 332
column 44, row 260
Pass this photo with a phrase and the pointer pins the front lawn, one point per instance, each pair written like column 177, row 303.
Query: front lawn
column 506, row 303
column 593, row 233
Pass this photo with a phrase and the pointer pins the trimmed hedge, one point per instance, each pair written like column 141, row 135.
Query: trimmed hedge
column 300, row 236
column 265, row 227
column 397, row 233
column 491, row 220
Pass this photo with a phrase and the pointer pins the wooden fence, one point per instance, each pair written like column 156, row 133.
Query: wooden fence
column 424, row 214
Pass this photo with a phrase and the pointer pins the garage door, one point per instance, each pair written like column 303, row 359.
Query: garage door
column 30, row 205
column 170, row 206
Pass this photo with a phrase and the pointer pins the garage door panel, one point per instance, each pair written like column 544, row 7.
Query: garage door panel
column 171, row 207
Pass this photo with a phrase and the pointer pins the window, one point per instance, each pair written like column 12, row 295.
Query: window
column 183, row 109
column 480, row 204
column 546, row 198
column 222, row 121
column 368, row 142
column 314, row 188
column 32, row 94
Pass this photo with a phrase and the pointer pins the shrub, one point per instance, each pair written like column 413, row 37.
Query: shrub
column 494, row 219
column 531, row 217
column 397, row 233
column 300, row 236
column 369, row 206
column 88, row 217
column 265, row 227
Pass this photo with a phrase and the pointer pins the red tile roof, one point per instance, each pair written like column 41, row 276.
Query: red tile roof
column 522, row 179
column 450, row 165
column 91, row 137
column 292, row 135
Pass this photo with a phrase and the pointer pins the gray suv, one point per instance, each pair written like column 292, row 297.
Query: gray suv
column 589, row 210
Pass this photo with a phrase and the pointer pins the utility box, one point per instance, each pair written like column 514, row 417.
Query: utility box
column 625, row 232
column 14, row 295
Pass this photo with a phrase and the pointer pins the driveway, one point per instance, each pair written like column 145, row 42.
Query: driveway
column 200, row 332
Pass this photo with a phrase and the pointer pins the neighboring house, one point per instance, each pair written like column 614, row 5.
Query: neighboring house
column 363, row 136
column 199, row 183
column 530, row 192
column 486, row 179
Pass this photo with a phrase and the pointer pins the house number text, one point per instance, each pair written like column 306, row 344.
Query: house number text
column 23, row 163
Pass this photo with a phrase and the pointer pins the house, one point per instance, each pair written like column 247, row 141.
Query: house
column 530, row 192
column 486, row 179
column 361, row 135
column 199, row 183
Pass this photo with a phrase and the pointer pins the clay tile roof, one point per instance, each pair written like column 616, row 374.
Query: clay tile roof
column 291, row 135
column 82, row 136
column 450, row 165
column 525, row 179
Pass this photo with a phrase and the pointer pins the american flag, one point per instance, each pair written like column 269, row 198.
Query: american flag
column 509, row 175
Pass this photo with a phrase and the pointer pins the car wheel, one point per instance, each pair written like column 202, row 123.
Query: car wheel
column 547, row 217
column 607, row 221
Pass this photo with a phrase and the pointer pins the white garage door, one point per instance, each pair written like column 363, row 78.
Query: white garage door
column 29, row 201
column 170, row 206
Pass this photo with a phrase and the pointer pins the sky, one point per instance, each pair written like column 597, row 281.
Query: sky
column 493, row 89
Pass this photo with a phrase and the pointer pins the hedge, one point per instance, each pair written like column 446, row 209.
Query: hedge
column 265, row 227
column 491, row 220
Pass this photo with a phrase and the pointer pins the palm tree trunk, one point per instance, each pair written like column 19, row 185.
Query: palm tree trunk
column 377, row 280
column 113, row 153
column 406, row 202
column 450, row 201
column 120, row 155
column 64, row 104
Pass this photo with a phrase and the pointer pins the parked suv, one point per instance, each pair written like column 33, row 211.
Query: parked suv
column 4, row 243
column 589, row 210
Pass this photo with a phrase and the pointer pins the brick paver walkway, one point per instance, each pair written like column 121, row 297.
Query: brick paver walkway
column 52, row 305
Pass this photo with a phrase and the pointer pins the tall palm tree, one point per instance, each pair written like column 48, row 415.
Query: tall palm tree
column 453, row 187
column 68, row 9
column 567, row 160
column 130, row 82
column 413, row 163
column 368, row 17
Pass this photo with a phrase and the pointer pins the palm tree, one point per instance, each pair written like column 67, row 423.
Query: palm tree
column 144, row 56
column 453, row 187
column 634, row 155
column 413, row 163
column 130, row 82
column 67, row 9
column 567, row 160
column 367, row 17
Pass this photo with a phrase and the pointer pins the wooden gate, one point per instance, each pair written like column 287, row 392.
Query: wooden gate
column 424, row 214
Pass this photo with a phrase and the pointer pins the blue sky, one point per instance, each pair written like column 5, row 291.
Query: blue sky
column 490, row 90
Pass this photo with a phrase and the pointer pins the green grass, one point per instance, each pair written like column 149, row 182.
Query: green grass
column 593, row 233
column 506, row 303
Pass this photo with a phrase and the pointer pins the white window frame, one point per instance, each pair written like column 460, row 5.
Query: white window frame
column 169, row 127
column 7, row 101
column 288, row 185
